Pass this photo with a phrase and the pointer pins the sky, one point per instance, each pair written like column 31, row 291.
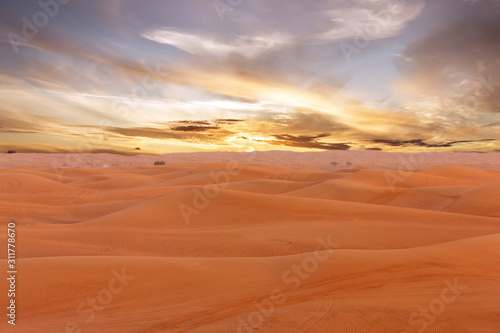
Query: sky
column 160, row 76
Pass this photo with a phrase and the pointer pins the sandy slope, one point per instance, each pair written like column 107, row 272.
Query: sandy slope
column 253, row 248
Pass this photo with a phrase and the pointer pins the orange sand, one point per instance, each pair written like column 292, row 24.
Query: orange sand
column 253, row 248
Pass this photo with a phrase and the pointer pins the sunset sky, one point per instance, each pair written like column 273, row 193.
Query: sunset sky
column 240, row 75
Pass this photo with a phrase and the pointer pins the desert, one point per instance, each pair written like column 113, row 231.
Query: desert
column 229, row 247
column 250, row 166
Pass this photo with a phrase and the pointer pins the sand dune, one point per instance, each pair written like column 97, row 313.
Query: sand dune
column 218, row 247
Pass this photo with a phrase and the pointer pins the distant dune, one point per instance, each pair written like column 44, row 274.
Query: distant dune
column 327, row 160
column 222, row 247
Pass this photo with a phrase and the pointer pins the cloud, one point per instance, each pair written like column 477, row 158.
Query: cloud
column 228, row 121
column 189, row 134
column 202, row 44
column 327, row 21
column 270, row 67
column 459, row 61
column 305, row 141
column 193, row 128
column 47, row 149
column 422, row 143
column 371, row 19
column 20, row 122
column 223, row 132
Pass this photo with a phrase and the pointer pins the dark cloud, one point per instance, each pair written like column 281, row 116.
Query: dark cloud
column 451, row 143
column 300, row 138
column 398, row 143
column 193, row 128
column 305, row 141
column 228, row 121
column 218, row 137
column 196, row 122
column 39, row 148
column 199, row 125
column 422, row 143
column 203, row 125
